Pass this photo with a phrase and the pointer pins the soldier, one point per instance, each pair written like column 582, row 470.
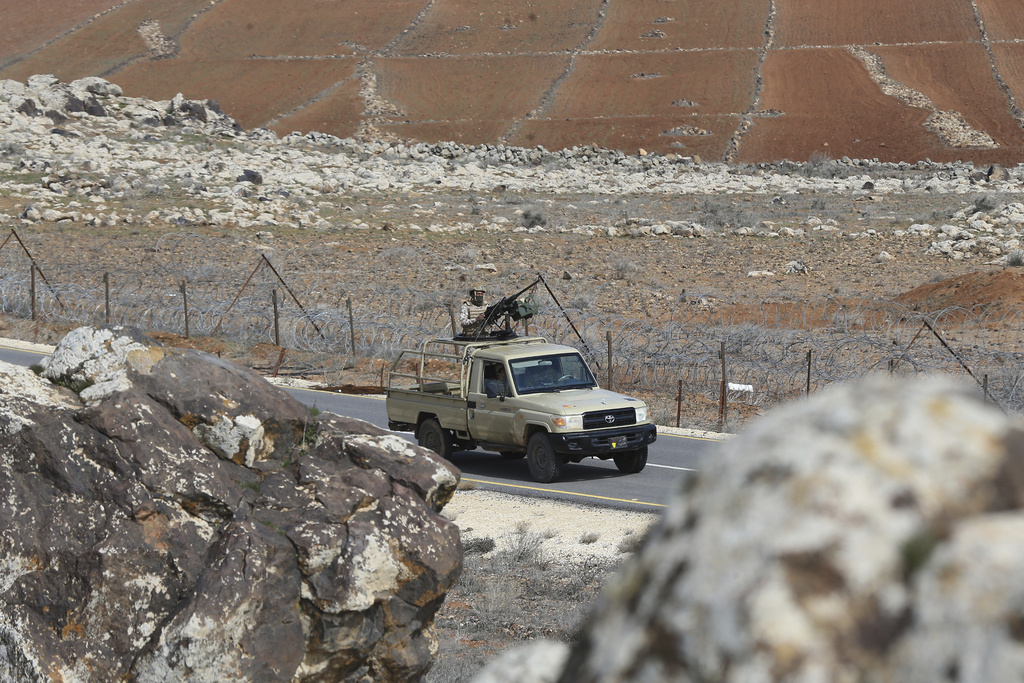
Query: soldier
column 472, row 314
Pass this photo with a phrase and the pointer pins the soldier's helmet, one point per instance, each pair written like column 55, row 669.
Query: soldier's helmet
column 476, row 296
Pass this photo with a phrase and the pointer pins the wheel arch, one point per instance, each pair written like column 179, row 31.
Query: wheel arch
column 423, row 417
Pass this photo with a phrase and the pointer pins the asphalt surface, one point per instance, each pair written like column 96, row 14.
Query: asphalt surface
column 592, row 481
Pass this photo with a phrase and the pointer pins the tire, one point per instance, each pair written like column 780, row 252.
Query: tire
column 436, row 438
column 545, row 465
column 631, row 462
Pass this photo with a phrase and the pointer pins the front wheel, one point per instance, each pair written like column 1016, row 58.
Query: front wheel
column 631, row 462
column 545, row 465
column 438, row 439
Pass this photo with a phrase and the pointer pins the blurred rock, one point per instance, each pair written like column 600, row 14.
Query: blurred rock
column 871, row 533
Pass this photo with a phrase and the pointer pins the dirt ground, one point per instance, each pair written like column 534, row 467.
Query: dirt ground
column 629, row 277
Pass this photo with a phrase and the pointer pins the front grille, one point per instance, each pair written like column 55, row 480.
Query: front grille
column 603, row 419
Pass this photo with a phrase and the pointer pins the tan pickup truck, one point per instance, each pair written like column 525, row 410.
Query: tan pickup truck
column 520, row 397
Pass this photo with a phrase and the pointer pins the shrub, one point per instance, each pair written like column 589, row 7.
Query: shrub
column 533, row 218
column 478, row 546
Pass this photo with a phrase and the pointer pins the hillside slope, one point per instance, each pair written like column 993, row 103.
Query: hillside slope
column 742, row 80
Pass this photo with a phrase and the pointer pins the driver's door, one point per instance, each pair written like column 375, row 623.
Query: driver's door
column 491, row 417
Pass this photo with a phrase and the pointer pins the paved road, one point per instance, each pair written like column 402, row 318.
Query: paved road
column 592, row 482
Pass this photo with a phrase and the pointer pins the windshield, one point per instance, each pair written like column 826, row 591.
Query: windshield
column 551, row 373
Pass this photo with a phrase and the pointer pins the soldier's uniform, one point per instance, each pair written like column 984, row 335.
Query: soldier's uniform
column 471, row 316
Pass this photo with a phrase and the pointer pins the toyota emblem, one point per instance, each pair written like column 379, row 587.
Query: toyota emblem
column 609, row 418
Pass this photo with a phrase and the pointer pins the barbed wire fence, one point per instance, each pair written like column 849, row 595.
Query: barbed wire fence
column 331, row 307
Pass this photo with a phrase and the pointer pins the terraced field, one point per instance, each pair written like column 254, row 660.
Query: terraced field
column 743, row 80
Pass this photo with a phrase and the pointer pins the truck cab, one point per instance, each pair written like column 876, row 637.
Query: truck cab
column 521, row 397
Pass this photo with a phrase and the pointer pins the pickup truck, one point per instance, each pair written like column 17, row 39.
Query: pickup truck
column 519, row 397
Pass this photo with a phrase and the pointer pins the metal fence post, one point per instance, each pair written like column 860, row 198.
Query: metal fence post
column 184, row 303
column 32, row 290
column 277, row 332
column 351, row 324
column 608, row 336
column 808, row 372
column 679, row 403
column 722, row 409
column 106, row 297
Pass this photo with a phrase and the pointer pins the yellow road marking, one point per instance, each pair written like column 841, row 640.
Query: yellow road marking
column 567, row 493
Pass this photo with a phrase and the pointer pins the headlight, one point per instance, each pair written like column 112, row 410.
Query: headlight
column 641, row 414
column 568, row 422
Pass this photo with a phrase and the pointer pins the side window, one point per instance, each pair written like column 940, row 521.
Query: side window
column 495, row 381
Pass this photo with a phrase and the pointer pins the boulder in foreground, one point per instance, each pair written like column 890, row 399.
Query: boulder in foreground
column 166, row 515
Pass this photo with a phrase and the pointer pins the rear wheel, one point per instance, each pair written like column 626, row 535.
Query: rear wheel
column 545, row 465
column 631, row 462
column 433, row 436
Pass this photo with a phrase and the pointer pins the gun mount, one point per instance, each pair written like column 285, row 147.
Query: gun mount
column 499, row 316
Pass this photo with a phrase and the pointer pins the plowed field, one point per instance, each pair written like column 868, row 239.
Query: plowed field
column 286, row 84
column 831, row 103
column 1003, row 20
column 659, row 25
column 945, row 74
column 866, row 22
column 269, row 28
column 37, row 23
column 499, row 26
column 729, row 80
column 486, row 94
column 1010, row 59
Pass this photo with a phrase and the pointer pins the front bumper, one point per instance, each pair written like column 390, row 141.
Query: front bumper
column 602, row 441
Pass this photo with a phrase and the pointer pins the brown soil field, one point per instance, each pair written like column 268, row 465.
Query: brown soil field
column 866, row 22
column 500, row 26
column 232, row 82
column 1011, row 68
column 830, row 91
column 943, row 73
column 491, row 92
column 110, row 42
column 298, row 28
column 636, row 25
column 1003, row 20
column 40, row 22
column 336, row 107
column 292, row 67
column 625, row 85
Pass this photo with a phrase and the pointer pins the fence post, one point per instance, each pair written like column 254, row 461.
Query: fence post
column 451, row 314
column 280, row 359
column 351, row 325
column 106, row 297
column 608, row 336
column 679, row 403
column 184, row 304
column 32, row 289
column 808, row 372
column 985, row 387
column 277, row 331
column 722, row 410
